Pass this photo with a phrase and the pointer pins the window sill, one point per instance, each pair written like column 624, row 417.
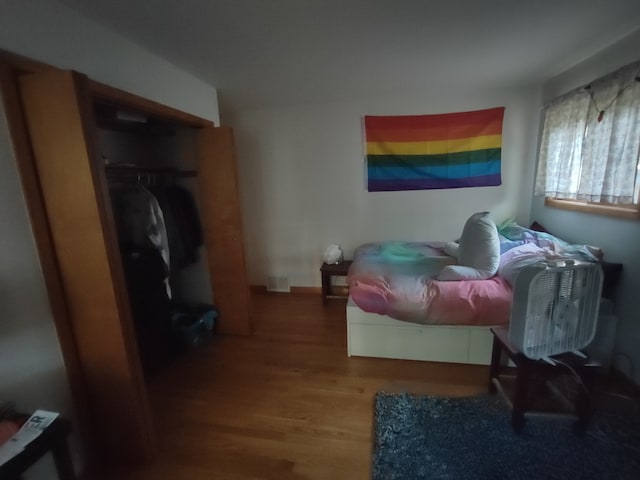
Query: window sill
column 628, row 212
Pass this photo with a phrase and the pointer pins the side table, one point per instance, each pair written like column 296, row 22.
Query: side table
column 53, row 439
column 528, row 371
column 329, row 270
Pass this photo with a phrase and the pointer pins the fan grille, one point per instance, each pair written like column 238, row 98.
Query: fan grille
column 561, row 309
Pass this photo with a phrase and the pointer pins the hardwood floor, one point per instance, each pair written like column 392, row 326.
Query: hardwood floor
column 285, row 403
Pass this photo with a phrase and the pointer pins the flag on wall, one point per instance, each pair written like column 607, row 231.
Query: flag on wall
column 418, row 152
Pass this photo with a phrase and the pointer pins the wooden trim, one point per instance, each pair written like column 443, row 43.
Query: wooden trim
column 222, row 227
column 629, row 213
column 58, row 115
column 120, row 98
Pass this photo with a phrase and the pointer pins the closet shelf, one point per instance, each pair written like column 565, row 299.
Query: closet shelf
column 110, row 117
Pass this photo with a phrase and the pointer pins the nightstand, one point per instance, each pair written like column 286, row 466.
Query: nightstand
column 329, row 270
column 531, row 372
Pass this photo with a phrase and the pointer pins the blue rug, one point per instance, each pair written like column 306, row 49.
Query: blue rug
column 425, row 437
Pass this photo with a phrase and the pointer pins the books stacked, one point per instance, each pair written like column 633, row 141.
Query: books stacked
column 13, row 437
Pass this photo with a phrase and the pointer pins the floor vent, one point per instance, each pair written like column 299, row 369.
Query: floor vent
column 278, row 284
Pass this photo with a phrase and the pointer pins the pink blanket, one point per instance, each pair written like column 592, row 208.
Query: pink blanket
column 396, row 279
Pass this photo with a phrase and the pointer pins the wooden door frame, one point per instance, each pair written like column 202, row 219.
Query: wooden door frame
column 222, row 225
column 58, row 116
column 11, row 68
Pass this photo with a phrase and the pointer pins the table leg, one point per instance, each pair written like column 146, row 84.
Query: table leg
column 62, row 460
column 326, row 286
column 583, row 400
column 494, row 369
column 520, row 396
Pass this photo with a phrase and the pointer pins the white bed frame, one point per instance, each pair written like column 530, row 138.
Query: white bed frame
column 373, row 335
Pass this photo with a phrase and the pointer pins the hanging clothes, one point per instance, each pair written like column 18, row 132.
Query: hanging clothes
column 159, row 232
column 140, row 222
column 182, row 222
column 146, row 273
column 139, row 219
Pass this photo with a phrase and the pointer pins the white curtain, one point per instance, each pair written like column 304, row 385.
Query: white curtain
column 590, row 156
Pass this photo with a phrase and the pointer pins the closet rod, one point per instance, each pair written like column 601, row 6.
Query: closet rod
column 126, row 171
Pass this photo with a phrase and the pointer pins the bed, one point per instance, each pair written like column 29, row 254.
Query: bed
column 423, row 301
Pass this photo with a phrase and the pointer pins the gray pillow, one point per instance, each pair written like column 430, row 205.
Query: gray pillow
column 479, row 251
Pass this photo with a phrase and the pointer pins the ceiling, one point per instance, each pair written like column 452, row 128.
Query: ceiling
column 265, row 53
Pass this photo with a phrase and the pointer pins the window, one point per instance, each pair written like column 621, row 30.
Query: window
column 590, row 147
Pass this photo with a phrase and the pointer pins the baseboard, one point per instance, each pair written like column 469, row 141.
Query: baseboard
column 258, row 288
column 340, row 290
column 294, row 290
column 306, row 290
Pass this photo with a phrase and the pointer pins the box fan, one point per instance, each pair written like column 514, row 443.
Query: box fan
column 555, row 308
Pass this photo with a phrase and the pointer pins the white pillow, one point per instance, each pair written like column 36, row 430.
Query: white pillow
column 458, row 272
column 479, row 251
column 513, row 261
column 452, row 249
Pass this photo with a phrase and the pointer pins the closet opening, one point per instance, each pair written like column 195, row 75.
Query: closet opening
column 150, row 165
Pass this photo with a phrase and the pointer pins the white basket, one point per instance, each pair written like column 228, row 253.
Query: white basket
column 555, row 308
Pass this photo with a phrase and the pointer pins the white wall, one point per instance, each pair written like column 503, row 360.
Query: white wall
column 620, row 239
column 31, row 369
column 55, row 34
column 302, row 179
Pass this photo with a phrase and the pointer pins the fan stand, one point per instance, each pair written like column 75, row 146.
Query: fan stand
column 528, row 371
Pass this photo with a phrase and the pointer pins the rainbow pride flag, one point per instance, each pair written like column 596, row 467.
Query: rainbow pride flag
column 418, row 152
